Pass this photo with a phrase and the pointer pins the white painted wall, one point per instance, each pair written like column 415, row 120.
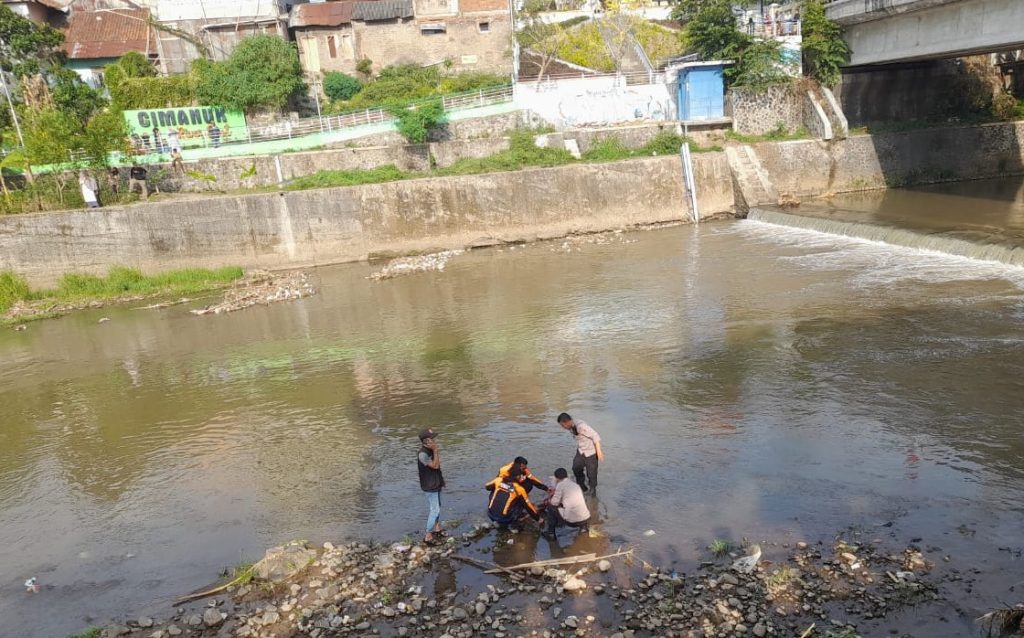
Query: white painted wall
column 595, row 101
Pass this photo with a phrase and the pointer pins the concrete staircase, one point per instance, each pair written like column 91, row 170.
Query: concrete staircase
column 620, row 45
column 751, row 182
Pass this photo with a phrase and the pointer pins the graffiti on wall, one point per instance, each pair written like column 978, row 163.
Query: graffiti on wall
column 571, row 105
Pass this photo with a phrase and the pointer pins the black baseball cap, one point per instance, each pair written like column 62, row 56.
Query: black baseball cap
column 427, row 434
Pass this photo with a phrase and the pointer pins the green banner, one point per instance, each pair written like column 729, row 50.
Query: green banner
column 160, row 130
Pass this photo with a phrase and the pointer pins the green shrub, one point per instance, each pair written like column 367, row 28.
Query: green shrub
column 778, row 134
column 263, row 72
column 122, row 281
column 398, row 90
column 658, row 42
column 341, row 86
column 585, row 46
column 1005, row 107
column 415, row 123
column 12, row 289
column 470, row 81
column 664, row 143
column 607, row 150
column 365, row 67
column 824, row 49
column 154, row 93
column 523, row 152
column 326, row 179
column 759, row 66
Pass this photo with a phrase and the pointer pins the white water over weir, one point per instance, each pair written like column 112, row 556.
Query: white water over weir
column 918, row 240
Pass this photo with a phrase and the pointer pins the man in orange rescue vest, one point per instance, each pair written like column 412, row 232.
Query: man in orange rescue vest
column 509, row 501
column 526, row 479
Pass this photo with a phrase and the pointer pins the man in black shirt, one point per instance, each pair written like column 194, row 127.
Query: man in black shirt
column 137, row 176
column 428, row 462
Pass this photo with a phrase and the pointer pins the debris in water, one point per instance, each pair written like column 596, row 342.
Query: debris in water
column 650, row 532
column 261, row 287
column 1004, row 622
column 104, row 320
column 576, row 242
column 410, row 265
column 31, row 585
column 788, row 200
column 746, row 564
column 166, row 304
column 20, row 328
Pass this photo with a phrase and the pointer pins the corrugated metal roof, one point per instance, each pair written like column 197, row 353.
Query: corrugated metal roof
column 327, row 14
column 382, row 10
column 108, row 34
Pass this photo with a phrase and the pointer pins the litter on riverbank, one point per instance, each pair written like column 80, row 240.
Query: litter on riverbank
column 478, row 584
column 261, row 287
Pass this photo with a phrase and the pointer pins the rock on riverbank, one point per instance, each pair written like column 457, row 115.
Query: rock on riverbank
column 401, row 589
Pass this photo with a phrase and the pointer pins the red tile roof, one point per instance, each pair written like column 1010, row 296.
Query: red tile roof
column 327, row 14
column 108, row 34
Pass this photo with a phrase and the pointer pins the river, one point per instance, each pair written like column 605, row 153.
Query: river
column 749, row 381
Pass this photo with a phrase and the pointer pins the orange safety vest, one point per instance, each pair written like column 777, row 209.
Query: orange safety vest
column 504, row 495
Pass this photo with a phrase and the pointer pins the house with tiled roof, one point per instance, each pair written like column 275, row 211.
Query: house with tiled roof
column 97, row 38
column 467, row 34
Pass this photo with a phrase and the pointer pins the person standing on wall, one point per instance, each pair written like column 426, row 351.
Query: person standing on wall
column 588, row 451
column 428, row 462
column 137, row 177
column 173, row 142
column 89, row 187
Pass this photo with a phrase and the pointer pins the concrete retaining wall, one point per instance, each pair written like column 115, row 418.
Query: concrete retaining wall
column 235, row 173
column 811, row 167
column 276, row 230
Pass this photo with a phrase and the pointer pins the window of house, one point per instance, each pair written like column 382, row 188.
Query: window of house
column 485, row 27
column 433, row 28
column 332, row 46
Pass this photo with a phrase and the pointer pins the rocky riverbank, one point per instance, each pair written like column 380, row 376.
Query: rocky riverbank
column 485, row 582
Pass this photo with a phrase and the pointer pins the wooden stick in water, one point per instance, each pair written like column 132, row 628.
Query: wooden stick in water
column 568, row 560
column 490, row 568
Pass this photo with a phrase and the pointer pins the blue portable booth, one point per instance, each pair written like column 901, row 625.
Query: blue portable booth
column 701, row 91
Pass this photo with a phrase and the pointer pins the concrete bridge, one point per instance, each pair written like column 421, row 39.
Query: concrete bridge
column 887, row 31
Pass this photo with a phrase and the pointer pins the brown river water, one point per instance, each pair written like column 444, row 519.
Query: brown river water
column 749, row 381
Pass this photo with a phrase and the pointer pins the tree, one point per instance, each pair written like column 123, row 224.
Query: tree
column 105, row 132
column 27, row 48
column 824, row 49
column 759, row 65
column 544, row 39
column 134, row 84
column 70, row 94
column 50, row 136
column 262, row 72
column 341, row 86
column 712, row 31
column 415, row 123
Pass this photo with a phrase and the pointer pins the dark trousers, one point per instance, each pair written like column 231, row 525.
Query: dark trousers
column 516, row 512
column 555, row 520
column 588, row 463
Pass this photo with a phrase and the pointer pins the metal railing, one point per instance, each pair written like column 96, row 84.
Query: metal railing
column 629, row 78
column 642, row 55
